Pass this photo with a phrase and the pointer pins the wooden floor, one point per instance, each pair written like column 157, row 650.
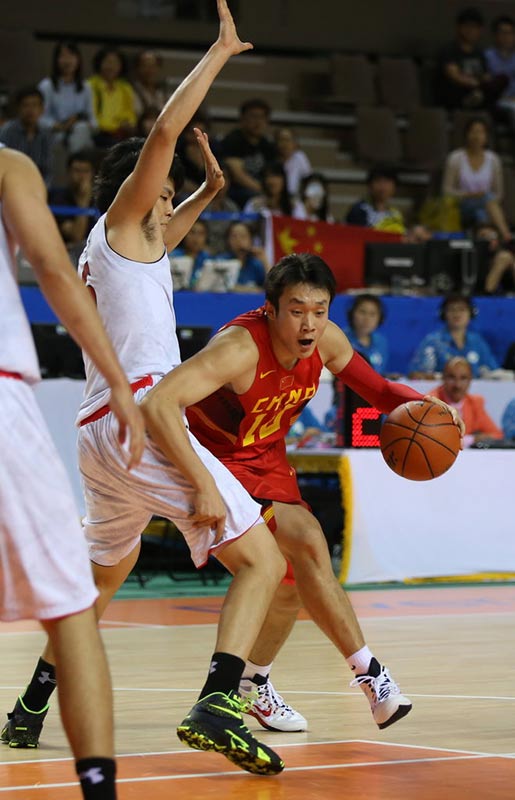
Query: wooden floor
column 452, row 651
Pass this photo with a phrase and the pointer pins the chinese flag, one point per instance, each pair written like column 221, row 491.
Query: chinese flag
column 341, row 246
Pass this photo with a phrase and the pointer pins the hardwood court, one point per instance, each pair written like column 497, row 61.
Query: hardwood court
column 451, row 649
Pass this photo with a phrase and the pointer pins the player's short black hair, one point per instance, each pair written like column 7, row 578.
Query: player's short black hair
column 118, row 164
column 298, row 268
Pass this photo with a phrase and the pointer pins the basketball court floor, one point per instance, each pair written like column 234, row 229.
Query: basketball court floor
column 451, row 649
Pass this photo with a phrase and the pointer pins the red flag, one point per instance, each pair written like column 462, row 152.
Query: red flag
column 341, row 246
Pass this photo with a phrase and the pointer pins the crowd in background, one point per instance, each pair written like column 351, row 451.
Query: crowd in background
column 78, row 113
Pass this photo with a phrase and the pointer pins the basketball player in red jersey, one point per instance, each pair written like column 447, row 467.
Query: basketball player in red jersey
column 242, row 392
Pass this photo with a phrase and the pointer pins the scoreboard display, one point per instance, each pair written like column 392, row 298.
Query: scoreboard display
column 360, row 422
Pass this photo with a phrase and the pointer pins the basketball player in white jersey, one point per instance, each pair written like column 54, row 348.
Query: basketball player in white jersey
column 126, row 267
column 45, row 572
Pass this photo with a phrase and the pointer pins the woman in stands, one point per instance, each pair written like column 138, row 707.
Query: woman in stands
column 113, row 97
column 365, row 316
column 295, row 162
column 473, row 174
column 275, row 198
column 314, row 199
column 68, row 99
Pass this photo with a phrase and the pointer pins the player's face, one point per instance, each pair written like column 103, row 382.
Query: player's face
column 456, row 380
column 163, row 209
column 366, row 318
column 296, row 328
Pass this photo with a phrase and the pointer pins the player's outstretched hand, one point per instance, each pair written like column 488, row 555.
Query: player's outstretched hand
column 452, row 411
column 214, row 176
column 130, row 422
column 228, row 36
column 209, row 509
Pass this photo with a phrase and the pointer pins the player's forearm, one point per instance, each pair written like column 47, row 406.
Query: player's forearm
column 165, row 425
column 372, row 387
column 186, row 214
column 74, row 306
column 188, row 96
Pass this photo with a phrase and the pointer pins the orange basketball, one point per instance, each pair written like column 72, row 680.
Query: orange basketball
column 419, row 440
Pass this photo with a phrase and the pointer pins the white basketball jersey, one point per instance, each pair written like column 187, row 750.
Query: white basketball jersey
column 17, row 351
column 135, row 302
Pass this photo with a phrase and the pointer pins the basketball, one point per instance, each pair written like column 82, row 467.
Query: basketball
column 419, row 440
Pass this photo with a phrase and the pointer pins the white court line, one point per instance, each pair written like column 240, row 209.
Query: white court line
column 183, row 750
column 173, row 690
column 196, row 776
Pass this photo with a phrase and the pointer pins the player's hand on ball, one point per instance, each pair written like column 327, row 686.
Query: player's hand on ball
column 453, row 412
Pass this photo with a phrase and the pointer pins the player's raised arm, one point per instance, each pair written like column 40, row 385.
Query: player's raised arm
column 140, row 191
column 187, row 213
column 25, row 211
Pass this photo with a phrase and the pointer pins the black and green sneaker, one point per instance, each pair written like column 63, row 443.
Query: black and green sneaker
column 215, row 723
column 23, row 727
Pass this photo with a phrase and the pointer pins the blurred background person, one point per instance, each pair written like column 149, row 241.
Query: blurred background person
column 376, row 210
column 146, row 121
column 221, row 204
column 77, row 192
column 453, row 338
column 195, row 245
column 247, row 149
column 26, row 132
column 313, row 203
column 254, row 264
column 509, row 358
column 508, row 420
column 190, row 153
column 68, row 101
column 113, row 97
column 473, row 174
column 365, row 316
column 501, row 61
column 294, row 160
column 457, row 377
column 275, row 198
column 149, row 91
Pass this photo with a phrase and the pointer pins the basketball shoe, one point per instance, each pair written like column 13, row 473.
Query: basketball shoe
column 215, row 723
column 385, row 698
column 23, row 727
column 269, row 708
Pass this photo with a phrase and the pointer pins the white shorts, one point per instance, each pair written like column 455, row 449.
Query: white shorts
column 44, row 567
column 120, row 504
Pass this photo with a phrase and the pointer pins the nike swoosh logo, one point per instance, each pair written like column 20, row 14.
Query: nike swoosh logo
column 264, row 374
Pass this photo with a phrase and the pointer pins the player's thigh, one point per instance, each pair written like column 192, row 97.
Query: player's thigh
column 298, row 532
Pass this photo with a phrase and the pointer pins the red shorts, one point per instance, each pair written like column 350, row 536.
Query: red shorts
column 269, row 479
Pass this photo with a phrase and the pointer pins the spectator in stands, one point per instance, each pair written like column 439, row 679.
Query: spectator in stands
column 508, row 420
column 146, row 121
column 457, row 377
column 376, row 210
column 26, row 132
column 295, row 161
column 365, row 316
column 79, row 193
column 222, row 205
column 246, row 150
column 149, row 91
column 453, row 338
column 501, row 61
column 509, row 358
column 190, row 153
column 195, row 245
column 254, row 264
column 113, row 97
column 463, row 80
column 501, row 260
column 275, row 198
column 313, row 203
column 68, row 100
column 473, row 174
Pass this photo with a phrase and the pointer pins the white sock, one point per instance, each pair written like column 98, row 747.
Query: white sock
column 252, row 669
column 360, row 661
